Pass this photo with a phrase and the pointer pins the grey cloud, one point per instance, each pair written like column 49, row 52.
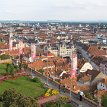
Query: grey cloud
column 53, row 9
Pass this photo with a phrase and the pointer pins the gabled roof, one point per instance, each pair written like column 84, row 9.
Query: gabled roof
column 96, row 51
column 84, row 88
column 85, row 78
column 37, row 64
column 93, row 73
column 70, row 83
column 100, row 59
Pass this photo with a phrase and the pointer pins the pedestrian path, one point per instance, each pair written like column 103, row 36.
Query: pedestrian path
column 47, row 99
column 73, row 98
column 76, row 100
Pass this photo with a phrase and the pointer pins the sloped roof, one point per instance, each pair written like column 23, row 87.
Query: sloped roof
column 96, row 51
column 15, row 52
column 84, row 88
column 101, row 92
column 100, row 59
column 37, row 64
column 93, row 73
column 70, row 83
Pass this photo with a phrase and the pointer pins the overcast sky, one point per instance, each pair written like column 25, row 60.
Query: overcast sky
column 65, row 10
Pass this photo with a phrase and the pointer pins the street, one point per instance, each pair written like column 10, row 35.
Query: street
column 52, row 84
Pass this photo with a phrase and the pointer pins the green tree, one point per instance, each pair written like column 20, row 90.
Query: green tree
column 25, row 66
column 10, row 69
column 104, row 100
column 13, row 105
column 41, row 70
column 61, row 102
column 89, row 95
column 37, row 80
column 16, row 68
column 51, row 104
column 4, row 56
column 8, row 97
column 20, row 63
column 27, row 102
column 11, row 98
column 7, row 69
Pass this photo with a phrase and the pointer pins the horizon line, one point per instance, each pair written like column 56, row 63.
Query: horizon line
column 95, row 21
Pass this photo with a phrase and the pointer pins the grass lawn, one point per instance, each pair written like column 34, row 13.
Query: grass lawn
column 23, row 85
column 2, row 68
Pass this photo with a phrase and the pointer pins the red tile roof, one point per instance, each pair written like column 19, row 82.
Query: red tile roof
column 100, row 59
column 37, row 65
column 4, row 46
column 96, row 51
column 50, row 55
column 101, row 92
column 84, row 88
column 70, row 83
column 88, row 75
column 15, row 52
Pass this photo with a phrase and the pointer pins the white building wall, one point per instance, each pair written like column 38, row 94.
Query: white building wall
column 55, row 52
column 101, row 86
column 86, row 66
